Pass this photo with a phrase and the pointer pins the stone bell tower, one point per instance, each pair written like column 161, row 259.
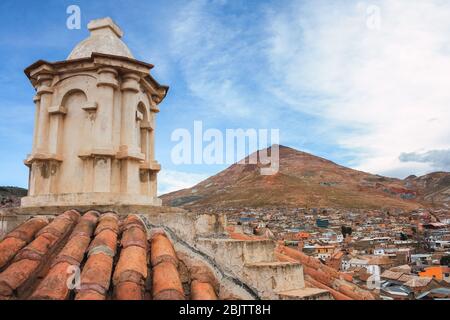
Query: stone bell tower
column 94, row 126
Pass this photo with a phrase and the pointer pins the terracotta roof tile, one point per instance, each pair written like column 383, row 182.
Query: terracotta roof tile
column 41, row 269
column 27, row 230
column 202, row 291
column 325, row 275
column 74, row 250
column 241, row 236
column 162, row 250
column 60, row 224
column 166, row 279
column 418, row 282
column 203, row 274
column 131, row 270
column 354, row 294
column 387, row 274
column 54, row 285
column 128, row 291
column 87, row 224
column 336, row 294
column 96, row 274
column 134, row 236
column 9, row 248
column 16, row 275
column 166, row 282
column 89, row 295
column 108, row 221
column 28, row 262
column 37, row 249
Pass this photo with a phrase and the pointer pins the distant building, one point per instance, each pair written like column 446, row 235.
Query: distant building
column 437, row 272
column 322, row 223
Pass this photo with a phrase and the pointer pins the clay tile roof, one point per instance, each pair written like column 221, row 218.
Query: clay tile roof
column 54, row 285
column 112, row 254
column 162, row 250
column 403, row 268
column 202, row 291
column 96, row 274
column 406, row 277
column 131, row 270
column 387, row 274
column 21, row 273
column 418, row 282
column 19, row 238
column 380, row 260
column 166, row 282
column 325, row 277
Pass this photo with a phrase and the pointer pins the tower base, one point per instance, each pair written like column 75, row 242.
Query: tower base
column 89, row 199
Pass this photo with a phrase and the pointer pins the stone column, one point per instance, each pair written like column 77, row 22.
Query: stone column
column 153, row 186
column 42, row 164
column 129, row 152
column 103, row 130
column 155, row 167
column 56, row 114
column 44, row 92
column 151, row 138
column 130, row 87
column 37, row 102
column 145, row 131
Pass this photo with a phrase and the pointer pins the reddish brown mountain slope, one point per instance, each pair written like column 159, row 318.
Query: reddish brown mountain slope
column 307, row 181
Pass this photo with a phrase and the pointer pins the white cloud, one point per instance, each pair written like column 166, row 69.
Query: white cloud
column 389, row 84
column 438, row 158
column 170, row 180
column 215, row 52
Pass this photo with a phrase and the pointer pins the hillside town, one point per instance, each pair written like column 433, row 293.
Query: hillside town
column 399, row 255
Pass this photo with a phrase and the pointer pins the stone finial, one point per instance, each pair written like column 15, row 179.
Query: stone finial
column 105, row 38
column 103, row 24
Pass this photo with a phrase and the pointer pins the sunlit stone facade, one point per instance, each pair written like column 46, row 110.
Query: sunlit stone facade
column 94, row 126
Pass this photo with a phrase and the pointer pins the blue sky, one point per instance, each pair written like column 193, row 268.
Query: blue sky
column 364, row 84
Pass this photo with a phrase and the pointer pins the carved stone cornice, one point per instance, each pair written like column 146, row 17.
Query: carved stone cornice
column 107, row 77
column 41, row 156
column 153, row 166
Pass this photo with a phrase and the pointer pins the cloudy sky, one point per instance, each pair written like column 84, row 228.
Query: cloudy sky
column 363, row 83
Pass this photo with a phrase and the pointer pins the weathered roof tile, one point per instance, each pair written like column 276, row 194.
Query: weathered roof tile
column 54, row 253
column 55, row 284
column 166, row 282
column 28, row 262
column 96, row 274
column 202, row 291
column 162, row 250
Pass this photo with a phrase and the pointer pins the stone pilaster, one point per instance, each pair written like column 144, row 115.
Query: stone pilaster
column 37, row 102
column 44, row 92
column 130, row 87
column 129, row 151
column 103, row 150
column 56, row 114
column 103, row 130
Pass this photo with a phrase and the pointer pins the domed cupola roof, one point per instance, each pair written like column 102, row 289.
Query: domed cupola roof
column 105, row 38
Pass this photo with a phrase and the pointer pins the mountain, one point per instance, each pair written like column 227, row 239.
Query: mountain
column 10, row 196
column 434, row 188
column 305, row 180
